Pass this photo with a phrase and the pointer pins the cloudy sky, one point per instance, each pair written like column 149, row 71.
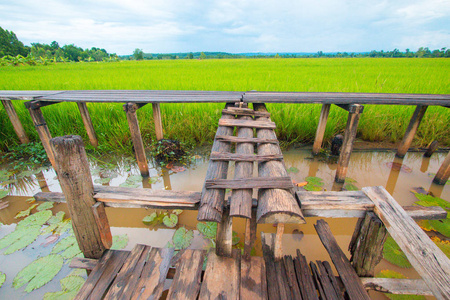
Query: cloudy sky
column 163, row 26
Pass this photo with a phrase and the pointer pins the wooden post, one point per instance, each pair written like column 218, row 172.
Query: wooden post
column 42, row 130
column 76, row 184
column 347, row 145
column 88, row 123
column 250, row 235
column 431, row 149
column 18, row 128
column 278, row 247
column 321, row 128
column 367, row 244
column 444, row 172
column 157, row 120
column 411, row 130
column 224, row 235
column 133, row 124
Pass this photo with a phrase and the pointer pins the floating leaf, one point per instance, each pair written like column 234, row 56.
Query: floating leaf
column 2, row 278
column 71, row 252
column 39, row 272
column 119, row 242
column 208, row 229
column 182, row 238
column 441, row 226
column 393, row 254
column 350, row 180
column 350, row 187
column 314, row 180
column 3, row 193
column 70, row 286
column 102, row 180
column 64, row 244
column 45, row 206
column 428, row 200
column 39, row 218
column 292, row 170
column 393, row 274
column 50, row 240
column 64, row 226
column 19, row 238
column 26, row 212
column 170, row 221
column 150, row 219
column 153, row 179
column 443, row 245
column 312, row 188
column 177, row 211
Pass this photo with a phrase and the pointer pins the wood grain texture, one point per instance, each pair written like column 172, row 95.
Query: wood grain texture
column 139, row 149
column 224, row 235
column 15, row 121
column 291, row 277
column 253, row 278
column 323, row 283
column 158, row 121
column 244, row 157
column 397, row 286
column 305, row 278
column 236, row 139
column 83, row 263
column 321, row 128
column 443, row 173
column 426, row 258
column 250, row 235
column 250, row 183
column 44, row 133
column 273, row 290
column 410, row 132
column 244, row 112
column 267, row 124
column 86, row 118
column 101, row 219
column 133, row 279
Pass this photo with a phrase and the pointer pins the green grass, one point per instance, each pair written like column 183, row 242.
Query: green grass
column 196, row 123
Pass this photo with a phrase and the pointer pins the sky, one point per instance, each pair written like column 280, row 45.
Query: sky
column 235, row 26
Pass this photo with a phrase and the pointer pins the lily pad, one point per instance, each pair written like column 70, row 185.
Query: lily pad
column 393, row 254
column 443, row 245
column 39, row 272
column 119, row 242
column 19, row 238
column 26, row 212
column 2, row 278
column 45, row 206
column 292, row 170
column 441, row 226
column 3, row 193
column 208, row 229
column 182, row 238
column 393, row 274
column 314, row 184
column 68, row 247
column 70, row 286
column 64, row 226
column 350, row 187
column 39, row 218
column 170, row 221
column 177, row 211
column 150, row 219
column 428, row 200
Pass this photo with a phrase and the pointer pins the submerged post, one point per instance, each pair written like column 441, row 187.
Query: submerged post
column 224, row 235
column 416, row 118
column 321, row 128
column 130, row 109
column 76, row 184
column 82, row 107
column 444, row 172
column 14, row 118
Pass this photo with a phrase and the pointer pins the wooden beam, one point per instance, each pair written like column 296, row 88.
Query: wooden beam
column 101, row 219
column 444, row 172
column 76, row 183
column 130, row 110
column 250, row 183
column 347, row 145
column 416, row 118
column 158, row 121
column 260, row 124
column 245, row 112
column 35, row 104
column 224, row 235
column 278, row 245
column 321, row 128
column 352, row 108
column 253, row 283
column 82, row 107
column 397, row 286
column 235, row 139
column 14, row 118
column 244, row 157
column 426, row 258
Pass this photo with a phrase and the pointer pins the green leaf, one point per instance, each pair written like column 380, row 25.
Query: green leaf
column 441, row 226
column 314, row 180
column 153, row 180
column 182, row 238
column 26, row 212
column 351, row 187
column 39, row 272
column 20, row 238
column 443, row 245
column 170, row 221
column 70, row 286
column 428, row 200
column 235, row 239
column 45, row 206
column 102, row 180
column 129, row 184
column 208, row 229
column 292, row 170
column 39, row 218
column 177, row 211
column 393, row 254
column 71, row 252
column 3, row 193
column 312, row 188
column 119, row 242
column 393, row 274
column 64, row 244
column 350, row 180
column 150, row 219
column 2, row 278
column 64, row 226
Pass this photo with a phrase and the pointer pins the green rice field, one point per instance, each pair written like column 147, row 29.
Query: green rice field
column 195, row 124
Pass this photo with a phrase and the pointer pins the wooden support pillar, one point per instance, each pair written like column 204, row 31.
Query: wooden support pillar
column 224, row 235
column 444, row 172
column 411, row 130
column 366, row 246
column 18, row 128
column 88, row 123
column 157, row 119
column 321, row 128
column 349, row 138
column 278, row 247
column 42, row 130
column 76, row 184
column 250, row 235
column 133, row 124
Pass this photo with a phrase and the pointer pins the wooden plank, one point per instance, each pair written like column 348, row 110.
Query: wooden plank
column 414, row 123
column 250, row 183
column 274, row 205
column 304, row 278
column 426, row 258
column 244, row 112
column 139, row 149
column 292, row 277
column 334, row 283
column 101, row 219
column 322, row 281
column 397, row 286
column 82, row 107
column 235, row 139
column 347, row 145
column 443, row 173
column 76, row 184
column 158, row 121
column 278, row 245
column 273, row 290
column 350, row 279
column 15, row 121
column 263, row 124
column 128, row 289
column 224, row 235
column 321, row 128
column 352, row 108
column 316, row 280
column 253, row 278
column 151, row 282
column 83, row 263
column 186, row 282
column 250, row 235
column 244, row 157
column 217, row 286
column 211, row 205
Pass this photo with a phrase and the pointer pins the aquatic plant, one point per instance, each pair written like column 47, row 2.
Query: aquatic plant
column 2, row 278
column 181, row 239
column 442, row 226
column 314, row 184
column 158, row 218
column 67, row 247
column 393, row 254
column 119, row 242
column 70, row 285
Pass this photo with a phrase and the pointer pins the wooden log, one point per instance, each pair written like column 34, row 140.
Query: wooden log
column 15, row 121
column 367, row 248
column 444, row 172
column 275, row 205
column 426, row 258
column 82, row 107
column 416, row 118
column 101, row 219
column 130, row 110
column 244, row 157
column 321, row 128
column 350, row 279
column 273, row 291
column 224, row 235
column 304, row 278
column 253, row 279
column 397, row 286
column 431, row 149
column 247, row 183
column 347, row 145
column 76, row 183
column 250, row 235
column 265, row 124
column 158, row 121
column 235, row 139
column 211, row 205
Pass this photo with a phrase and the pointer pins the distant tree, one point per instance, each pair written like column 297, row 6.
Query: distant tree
column 202, row 55
column 138, row 54
column 277, row 55
column 190, row 55
column 10, row 44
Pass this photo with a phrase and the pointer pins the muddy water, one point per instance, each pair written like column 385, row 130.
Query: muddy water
column 366, row 168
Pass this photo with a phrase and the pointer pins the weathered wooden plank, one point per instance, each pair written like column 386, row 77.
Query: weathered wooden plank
column 292, row 277
column 76, row 183
column 334, row 283
column 352, row 108
column 245, row 112
column 321, row 128
column 244, row 157
column 316, row 280
column 235, row 139
column 139, row 149
column 224, row 235
column 82, row 107
column 273, row 290
column 350, row 279
column 443, row 173
column 186, row 282
column 323, row 282
column 414, row 123
column 151, row 282
column 158, row 121
column 211, row 205
column 278, row 245
column 15, row 121
column 263, row 124
column 250, row 235
column 217, row 286
column 426, row 258
column 397, row 286
column 274, row 205
column 101, row 219
column 250, row 183
column 83, row 263
column 128, row 289
column 304, row 278
column 253, row 278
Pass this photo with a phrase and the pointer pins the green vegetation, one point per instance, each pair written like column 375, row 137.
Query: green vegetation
column 195, row 124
